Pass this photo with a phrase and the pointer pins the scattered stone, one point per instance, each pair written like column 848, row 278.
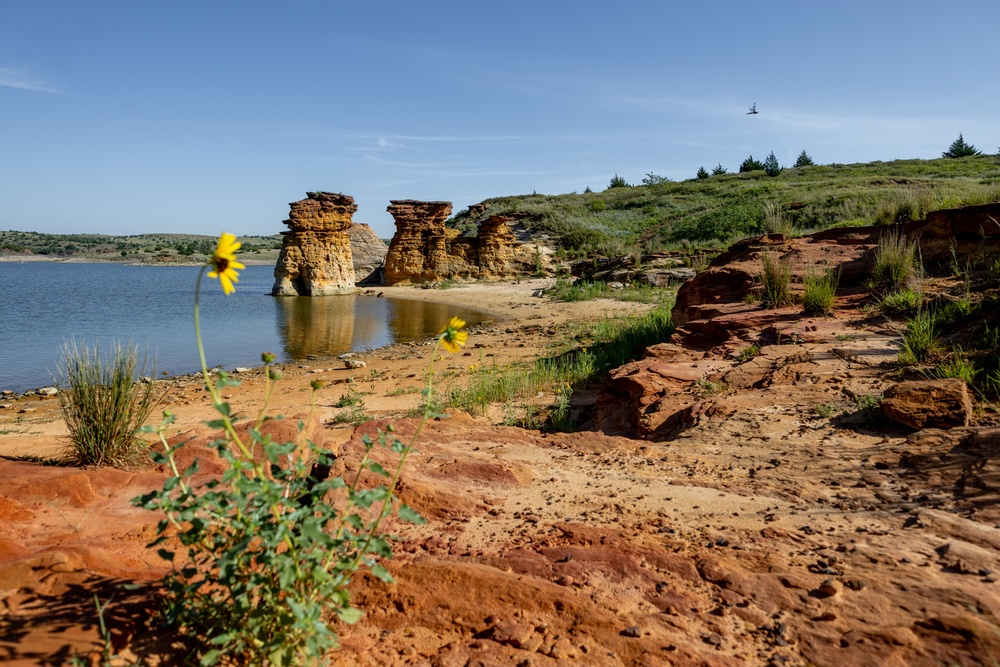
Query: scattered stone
column 47, row 391
column 354, row 363
column 632, row 631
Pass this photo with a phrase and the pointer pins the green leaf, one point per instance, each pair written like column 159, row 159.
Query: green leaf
column 377, row 469
column 349, row 615
column 223, row 409
column 383, row 574
column 410, row 515
column 165, row 554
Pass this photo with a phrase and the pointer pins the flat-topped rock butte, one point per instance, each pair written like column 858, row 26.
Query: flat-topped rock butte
column 679, row 526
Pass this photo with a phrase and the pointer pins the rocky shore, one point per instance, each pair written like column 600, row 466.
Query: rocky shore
column 719, row 508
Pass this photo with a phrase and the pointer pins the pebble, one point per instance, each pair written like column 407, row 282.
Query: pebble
column 632, row 631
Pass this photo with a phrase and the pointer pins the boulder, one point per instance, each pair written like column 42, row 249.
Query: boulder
column 315, row 258
column 942, row 403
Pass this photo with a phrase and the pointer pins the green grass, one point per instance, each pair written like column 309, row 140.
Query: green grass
column 820, row 290
column 613, row 342
column 721, row 208
column 920, row 339
column 583, row 290
column 901, row 303
column 896, row 267
column 103, row 405
column 775, row 281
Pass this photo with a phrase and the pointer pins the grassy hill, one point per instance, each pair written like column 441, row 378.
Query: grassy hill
column 716, row 210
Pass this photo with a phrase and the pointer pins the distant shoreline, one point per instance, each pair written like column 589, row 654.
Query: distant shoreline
column 125, row 262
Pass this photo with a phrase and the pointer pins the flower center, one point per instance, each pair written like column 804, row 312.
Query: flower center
column 221, row 264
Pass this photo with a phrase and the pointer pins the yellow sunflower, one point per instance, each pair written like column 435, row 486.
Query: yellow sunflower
column 224, row 264
column 451, row 338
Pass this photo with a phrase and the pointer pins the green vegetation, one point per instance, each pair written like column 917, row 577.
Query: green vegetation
column 583, row 290
column 747, row 353
column 702, row 173
column 775, row 281
column 613, row 342
column 771, row 166
column 103, row 405
column 618, row 182
column 713, row 212
column 895, row 264
column 751, row 164
column 803, row 160
column 901, row 302
column 959, row 148
column 820, row 290
column 920, row 339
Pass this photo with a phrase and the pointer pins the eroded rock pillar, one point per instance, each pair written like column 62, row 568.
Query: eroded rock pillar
column 315, row 257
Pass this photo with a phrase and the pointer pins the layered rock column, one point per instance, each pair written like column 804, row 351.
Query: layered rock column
column 498, row 249
column 315, row 257
column 418, row 251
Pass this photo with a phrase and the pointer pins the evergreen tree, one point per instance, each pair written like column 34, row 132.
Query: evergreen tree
column 771, row 165
column 959, row 148
column 702, row 174
column 719, row 170
column 751, row 165
column 804, row 160
column 618, row 182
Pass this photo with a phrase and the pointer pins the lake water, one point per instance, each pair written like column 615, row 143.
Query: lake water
column 46, row 304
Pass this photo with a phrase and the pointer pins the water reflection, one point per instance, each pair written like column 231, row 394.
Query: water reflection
column 329, row 325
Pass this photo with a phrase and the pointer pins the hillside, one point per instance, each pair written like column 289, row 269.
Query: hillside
column 718, row 210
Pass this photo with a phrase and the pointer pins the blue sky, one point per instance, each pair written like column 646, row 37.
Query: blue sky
column 197, row 117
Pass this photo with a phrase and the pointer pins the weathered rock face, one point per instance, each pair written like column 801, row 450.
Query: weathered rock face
column 957, row 233
column 943, row 403
column 418, row 251
column 500, row 254
column 368, row 253
column 315, row 257
column 424, row 250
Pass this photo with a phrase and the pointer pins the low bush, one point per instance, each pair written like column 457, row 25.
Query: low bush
column 902, row 302
column 103, row 405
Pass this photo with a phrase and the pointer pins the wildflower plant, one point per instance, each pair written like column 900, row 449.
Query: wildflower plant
column 263, row 555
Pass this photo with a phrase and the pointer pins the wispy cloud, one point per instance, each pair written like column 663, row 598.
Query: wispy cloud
column 21, row 78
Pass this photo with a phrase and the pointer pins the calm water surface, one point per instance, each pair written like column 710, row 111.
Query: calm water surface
column 47, row 303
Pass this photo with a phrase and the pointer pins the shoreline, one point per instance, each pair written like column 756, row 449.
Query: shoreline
column 522, row 326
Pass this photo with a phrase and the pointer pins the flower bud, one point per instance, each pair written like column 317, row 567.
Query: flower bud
column 267, row 357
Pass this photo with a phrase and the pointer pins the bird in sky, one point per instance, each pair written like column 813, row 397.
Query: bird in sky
column 753, row 110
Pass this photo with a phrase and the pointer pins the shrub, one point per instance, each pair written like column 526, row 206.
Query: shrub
column 653, row 179
column 702, row 174
column 775, row 278
column 102, row 404
column 751, row 165
column 803, row 160
column 771, row 166
column 959, row 148
column 719, row 170
column 820, row 290
column 895, row 265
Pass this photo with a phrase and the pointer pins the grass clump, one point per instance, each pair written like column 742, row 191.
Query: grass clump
column 820, row 290
column 902, row 302
column 775, row 280
column 957, row 366
column 920, row 339
column 102, row 404
column 895, row 265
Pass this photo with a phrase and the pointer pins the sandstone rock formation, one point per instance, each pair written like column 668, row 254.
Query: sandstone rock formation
column 958, row 233
column 418, row 251
column 424, row 250
column 368, row 253
column 315, row 257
